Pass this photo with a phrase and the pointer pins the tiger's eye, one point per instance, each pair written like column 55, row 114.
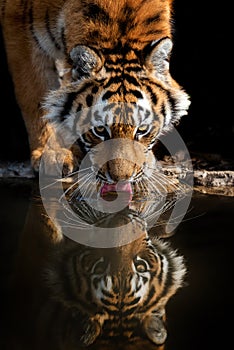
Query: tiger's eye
column 101, row 130
column 140, row 266
column 142, row 129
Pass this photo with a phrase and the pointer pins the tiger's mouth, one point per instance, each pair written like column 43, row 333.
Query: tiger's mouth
column 109, row 192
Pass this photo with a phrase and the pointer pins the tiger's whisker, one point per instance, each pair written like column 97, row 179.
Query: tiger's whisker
column 81, row 185
column 160, row 180
column 77, row 172
column 52, row 184
column 67, row 190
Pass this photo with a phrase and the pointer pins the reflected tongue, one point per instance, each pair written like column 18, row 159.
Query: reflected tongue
column 110, row 192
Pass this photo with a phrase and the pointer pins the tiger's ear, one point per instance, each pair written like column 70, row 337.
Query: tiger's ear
column 85, row 61
column 159, row 58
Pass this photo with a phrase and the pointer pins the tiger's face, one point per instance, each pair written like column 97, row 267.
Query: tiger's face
column 121, row 292
column 125, row 96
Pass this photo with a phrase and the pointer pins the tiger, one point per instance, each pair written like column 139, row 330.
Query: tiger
column 95, row 72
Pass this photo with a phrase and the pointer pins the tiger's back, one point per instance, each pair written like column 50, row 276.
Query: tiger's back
column 58, row 26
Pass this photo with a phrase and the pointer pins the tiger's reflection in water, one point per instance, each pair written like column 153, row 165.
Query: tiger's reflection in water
column 69, row 295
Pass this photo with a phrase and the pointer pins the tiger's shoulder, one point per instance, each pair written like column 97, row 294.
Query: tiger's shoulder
column 93, row 23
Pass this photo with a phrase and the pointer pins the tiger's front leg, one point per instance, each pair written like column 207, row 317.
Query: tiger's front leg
column 34, row 74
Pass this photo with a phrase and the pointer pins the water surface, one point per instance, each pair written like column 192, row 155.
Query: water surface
column 197, row 316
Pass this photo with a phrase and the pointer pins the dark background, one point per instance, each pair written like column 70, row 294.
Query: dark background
column 199, row 63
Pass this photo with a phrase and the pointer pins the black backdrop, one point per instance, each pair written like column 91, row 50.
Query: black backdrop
column 199, row 63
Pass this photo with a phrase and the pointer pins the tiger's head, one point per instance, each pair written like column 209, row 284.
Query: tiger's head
column 114, row 105
column 118, row 292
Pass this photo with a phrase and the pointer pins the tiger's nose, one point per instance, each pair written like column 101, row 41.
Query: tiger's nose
column 120, row 170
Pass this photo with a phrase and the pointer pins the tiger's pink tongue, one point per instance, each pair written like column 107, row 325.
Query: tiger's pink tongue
column 109, row 192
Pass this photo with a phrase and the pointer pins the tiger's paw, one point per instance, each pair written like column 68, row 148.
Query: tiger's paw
column 53, row 162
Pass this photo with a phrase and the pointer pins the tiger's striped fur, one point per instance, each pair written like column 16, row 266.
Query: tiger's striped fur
column 92, row 55
column 119, row 293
